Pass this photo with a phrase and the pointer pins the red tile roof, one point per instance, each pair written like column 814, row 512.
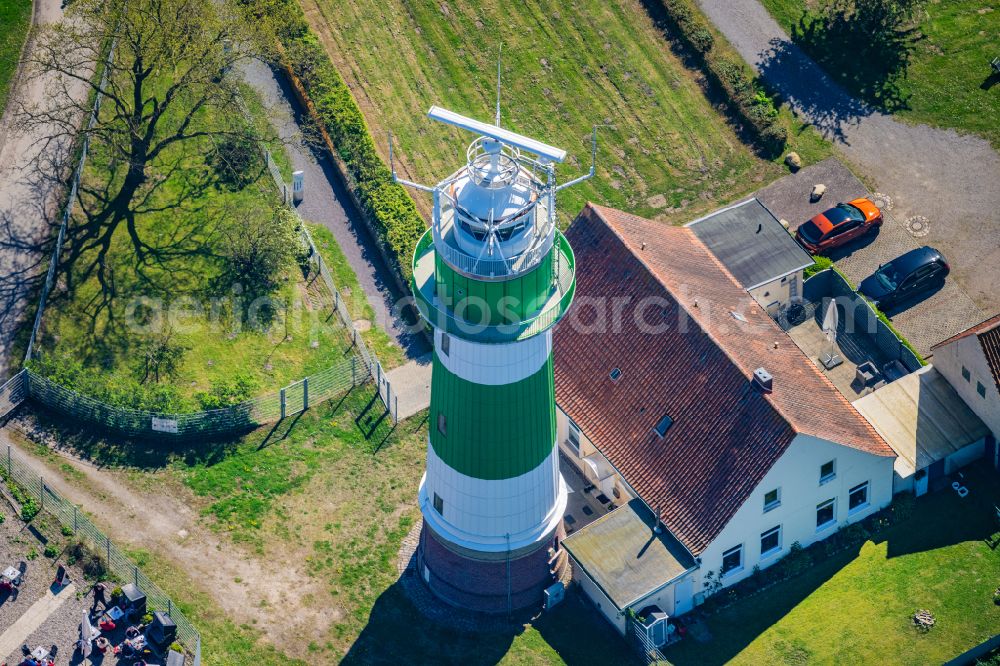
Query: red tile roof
column 988, row 333
column 694, row 364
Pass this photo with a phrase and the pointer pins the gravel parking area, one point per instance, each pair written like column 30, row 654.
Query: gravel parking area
column 925, row 322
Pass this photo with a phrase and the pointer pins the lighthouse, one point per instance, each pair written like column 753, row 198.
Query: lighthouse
column 492, row 276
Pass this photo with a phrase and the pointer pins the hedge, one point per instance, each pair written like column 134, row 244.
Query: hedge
column 386, row 205
column 728, row 73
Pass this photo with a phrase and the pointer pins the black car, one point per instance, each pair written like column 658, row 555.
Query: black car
column 907, row 275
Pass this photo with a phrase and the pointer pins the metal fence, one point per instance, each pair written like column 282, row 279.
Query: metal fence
column 121, row 568
column 371, row 362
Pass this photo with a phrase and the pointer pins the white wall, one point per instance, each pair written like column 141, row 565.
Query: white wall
column 587, row 448
column 797, row 474
column 601, row 600
column 967, row 351
column 777, row 290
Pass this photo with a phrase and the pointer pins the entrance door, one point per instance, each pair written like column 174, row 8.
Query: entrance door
column 683, row 595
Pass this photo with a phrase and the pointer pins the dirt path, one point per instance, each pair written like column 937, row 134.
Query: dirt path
column 168, row 525
column 28, row 200
column 951, row 179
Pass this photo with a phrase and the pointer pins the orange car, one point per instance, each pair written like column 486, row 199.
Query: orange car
column 839, row 225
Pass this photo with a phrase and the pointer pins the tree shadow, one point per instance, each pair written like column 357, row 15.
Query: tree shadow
column 870, row 64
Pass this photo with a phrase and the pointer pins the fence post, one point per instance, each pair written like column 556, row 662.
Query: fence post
column 354, row 377
column 282, row 403
column 395, row 414
column 107, row 549
column 135, row 575
column 10, row 474
column 75, row 524
column 305, row 394
column 41, row 492
column 170, row 606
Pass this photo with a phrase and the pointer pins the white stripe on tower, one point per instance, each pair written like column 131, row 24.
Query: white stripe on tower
column 478, row 513
column 493, row 364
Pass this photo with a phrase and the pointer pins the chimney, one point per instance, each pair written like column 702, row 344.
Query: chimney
column 763, row 380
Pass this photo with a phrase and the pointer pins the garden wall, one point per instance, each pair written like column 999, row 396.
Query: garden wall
column 831, row 284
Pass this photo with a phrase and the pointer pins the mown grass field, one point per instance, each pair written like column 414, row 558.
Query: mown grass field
column 857, row 607
column 948, row 81
column 664, row 150
column 15, row 19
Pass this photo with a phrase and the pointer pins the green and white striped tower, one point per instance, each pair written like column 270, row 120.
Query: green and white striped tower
column 492, row 276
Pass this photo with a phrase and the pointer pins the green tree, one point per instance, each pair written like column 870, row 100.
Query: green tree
column 171, row 89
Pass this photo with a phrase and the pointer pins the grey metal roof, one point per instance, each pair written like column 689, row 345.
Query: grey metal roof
column 750, row 243
column 922, row 417
column 622, row 554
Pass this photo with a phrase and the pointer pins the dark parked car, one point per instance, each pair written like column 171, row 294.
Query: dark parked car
column 839, row 225
column 907, row 275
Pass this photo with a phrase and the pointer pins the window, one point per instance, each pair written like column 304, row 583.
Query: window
column 858, row 497
column 966, row 375
column 826, row 514
column 442, row 424
column 827, row 472
column 574, row 437
column 438, row 504
column 732, row 560
column 664, row 425
column 772, row 499
column 445, row 344
column 616, row 374
column 980, row 389
column 770, row 541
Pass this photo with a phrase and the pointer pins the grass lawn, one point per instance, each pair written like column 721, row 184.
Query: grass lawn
column 15, row 19
column 228, row 341
column 857, row 606
column 389, row 353
column 664, row 151
column 331, row 494
column 947, row 81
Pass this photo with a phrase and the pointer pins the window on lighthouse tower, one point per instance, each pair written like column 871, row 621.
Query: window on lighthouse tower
column 442, row 424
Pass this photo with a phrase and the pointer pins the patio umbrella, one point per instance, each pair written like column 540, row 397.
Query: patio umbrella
column 87, row 634
column 830, row 322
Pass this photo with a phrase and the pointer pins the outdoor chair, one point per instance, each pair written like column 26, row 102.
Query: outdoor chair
column 995, row 64
column 866, row 373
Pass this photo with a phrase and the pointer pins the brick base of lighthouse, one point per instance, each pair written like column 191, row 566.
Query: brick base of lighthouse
column 490, row 582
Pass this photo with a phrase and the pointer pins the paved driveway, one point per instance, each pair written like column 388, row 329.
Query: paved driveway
column 924, row 322
column 952, row 179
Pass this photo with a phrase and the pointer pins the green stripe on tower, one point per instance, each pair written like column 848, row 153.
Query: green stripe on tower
column 525, row 294
column 493, row 432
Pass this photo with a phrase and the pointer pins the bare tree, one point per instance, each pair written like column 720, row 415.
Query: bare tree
column 171, row 91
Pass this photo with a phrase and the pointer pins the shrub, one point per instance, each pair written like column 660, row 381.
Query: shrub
column 751, row 103
column 236, row 161
column 385, row 204
column 50, row 552
column 820, row 264
column 66, row 530
column 229, row 391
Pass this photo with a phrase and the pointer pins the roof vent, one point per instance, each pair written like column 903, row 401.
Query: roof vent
column 616, row 374
column 763, row 380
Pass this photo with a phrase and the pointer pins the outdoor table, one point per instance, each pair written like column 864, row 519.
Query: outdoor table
column 11, row 574
column 40, row 653
column 115, row 613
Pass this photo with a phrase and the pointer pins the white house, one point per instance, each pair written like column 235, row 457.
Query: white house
column 970, row 361
column 677, row 388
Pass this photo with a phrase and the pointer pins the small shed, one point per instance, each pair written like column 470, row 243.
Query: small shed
column 928, row 425
column 759, row 252
column 624, row 563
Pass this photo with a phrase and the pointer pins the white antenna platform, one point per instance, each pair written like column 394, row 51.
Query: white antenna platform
column 543, row 150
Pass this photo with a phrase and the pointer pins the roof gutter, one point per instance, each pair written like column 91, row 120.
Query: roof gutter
column 776, row 277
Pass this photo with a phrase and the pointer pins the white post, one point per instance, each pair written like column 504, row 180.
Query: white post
column 298, row 186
